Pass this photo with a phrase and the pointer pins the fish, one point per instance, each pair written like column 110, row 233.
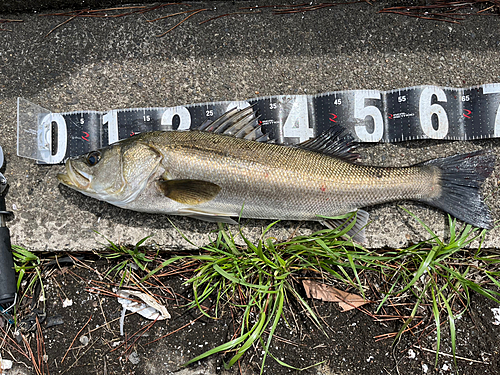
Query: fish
column 230, row 168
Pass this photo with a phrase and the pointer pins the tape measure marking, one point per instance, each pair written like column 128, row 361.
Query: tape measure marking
column 412, row 113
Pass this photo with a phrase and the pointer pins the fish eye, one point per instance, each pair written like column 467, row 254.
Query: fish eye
column 93, row 158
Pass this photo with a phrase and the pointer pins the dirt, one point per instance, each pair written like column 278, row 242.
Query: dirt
column 87, row 339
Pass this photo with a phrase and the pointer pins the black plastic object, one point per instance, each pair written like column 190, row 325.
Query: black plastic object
column 7, row 272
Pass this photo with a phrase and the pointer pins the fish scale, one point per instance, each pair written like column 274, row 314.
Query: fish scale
column 262, row 178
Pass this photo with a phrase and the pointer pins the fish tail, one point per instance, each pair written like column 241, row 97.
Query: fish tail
column 460, row 180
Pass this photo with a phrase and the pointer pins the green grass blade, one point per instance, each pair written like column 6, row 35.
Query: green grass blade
column 232, row 278
column 277, row 312
column 423, row 268
column 219, row 349
column 255, row 333
column 434, row 235
column 451, row 322
column 437, row 320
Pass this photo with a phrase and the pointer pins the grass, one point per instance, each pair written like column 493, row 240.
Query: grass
column 28, row 267
column 125, row 254
column 261, row 278
column 261, row 281
column 443, row 274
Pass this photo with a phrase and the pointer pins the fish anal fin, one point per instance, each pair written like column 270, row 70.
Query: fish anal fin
column 191, row 192
column 214, row 219
column 207, row 215
column 357, row 232
column 334, row 142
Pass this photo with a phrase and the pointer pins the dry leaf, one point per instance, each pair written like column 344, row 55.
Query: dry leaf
column 327, row 293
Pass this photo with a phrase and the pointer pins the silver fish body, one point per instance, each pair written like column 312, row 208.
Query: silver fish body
column 215, row 177
column 268, row 181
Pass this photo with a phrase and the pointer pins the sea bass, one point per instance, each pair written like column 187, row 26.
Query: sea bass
column 210, row 175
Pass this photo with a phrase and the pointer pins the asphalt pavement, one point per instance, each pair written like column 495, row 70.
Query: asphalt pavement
column 107, row 63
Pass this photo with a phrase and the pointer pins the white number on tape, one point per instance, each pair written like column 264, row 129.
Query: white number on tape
column 111, row 118
column 494, row 88
column 45, row 138
column 297, row 122
column 427, row 110
column 362, row 111
column 167, row 118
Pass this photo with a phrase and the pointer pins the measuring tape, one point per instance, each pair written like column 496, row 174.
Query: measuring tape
column 421, row 112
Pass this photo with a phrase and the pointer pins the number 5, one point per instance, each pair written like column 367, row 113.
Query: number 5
column 361, row 112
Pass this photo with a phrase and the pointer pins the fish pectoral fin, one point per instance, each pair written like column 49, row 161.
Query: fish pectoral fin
column 211, row 216
column 190, row 192
column 357, row 232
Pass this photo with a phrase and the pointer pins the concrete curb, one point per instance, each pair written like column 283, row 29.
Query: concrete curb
column 118, row 63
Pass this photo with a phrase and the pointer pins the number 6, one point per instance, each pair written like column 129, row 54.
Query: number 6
column 427, row 110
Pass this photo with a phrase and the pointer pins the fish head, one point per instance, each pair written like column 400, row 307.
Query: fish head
column 116, row 174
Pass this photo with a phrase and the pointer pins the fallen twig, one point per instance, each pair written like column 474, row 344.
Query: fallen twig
column 103, row 13
column 451, row 355
column 31, row 355
column 78, row 334
column 227, row 14
column 177, row 330
column 184, row 20
column 61, row 24
column 3, row 20
column 451, row 10
column 394, row 334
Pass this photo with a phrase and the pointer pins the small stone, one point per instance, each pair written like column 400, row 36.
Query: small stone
column 134, row 358
column 84, row 340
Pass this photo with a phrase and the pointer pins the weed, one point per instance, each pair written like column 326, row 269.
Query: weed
column 25, row 261
column 442, row 274
column 136, row 254
column 259, row 278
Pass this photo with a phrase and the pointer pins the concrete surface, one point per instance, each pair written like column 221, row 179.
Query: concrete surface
column 98, row 64
column 10, row 6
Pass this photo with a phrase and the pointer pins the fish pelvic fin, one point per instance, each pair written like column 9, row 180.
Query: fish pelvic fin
column 191, row 192
column 357, row 232
column 461, row 177
column 334, row 142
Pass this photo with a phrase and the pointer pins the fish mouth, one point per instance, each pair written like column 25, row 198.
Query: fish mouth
column 74, row 178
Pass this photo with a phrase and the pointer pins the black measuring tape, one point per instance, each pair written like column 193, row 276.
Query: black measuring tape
column 421, row 112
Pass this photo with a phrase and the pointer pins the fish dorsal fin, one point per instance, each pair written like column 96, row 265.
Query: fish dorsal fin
column 190, row 192
column 239, row 123
column 333, row 142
